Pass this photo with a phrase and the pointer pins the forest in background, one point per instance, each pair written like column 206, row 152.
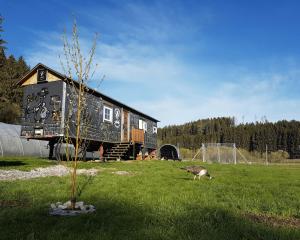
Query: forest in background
column 11, row 70
column 282, row 135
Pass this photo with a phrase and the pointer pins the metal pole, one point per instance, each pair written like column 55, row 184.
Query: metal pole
column 203, row 152
column 234, row 153
column 196, row 154
column 266, row 154
column 219, row 157
column 242, row 156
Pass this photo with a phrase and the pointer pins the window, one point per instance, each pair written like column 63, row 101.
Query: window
column 107, row 114
column 145, row 126
column 154, row 129
column 142, row 125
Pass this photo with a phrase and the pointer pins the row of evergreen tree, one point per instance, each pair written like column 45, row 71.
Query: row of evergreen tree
column 11, row 70
column 281, row 135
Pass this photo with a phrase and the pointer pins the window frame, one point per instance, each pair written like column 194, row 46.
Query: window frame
column 141, row 125
column 145, row 126
column 110, row 114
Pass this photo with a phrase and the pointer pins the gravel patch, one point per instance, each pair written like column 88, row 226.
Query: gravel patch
column 122, row 173
column 58, row 171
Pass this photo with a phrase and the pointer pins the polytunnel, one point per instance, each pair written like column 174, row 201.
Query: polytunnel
column 11, row 144
column 169, row 151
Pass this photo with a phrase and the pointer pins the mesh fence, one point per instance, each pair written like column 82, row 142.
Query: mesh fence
column 225, row 153
column 11, row 144
column 219, row 153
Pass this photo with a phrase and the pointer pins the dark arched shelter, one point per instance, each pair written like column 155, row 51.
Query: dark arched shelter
column 169, row 151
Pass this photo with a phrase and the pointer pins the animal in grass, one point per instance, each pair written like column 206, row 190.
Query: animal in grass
column 197, row 171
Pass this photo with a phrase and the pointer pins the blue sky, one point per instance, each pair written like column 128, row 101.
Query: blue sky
column 178, row 61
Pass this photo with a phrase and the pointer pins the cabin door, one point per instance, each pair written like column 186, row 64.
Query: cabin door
column 125, row 126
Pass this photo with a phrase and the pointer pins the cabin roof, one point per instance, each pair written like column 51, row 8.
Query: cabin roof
column 91, row 90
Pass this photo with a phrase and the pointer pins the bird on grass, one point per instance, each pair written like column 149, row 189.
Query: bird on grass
column 197, row 171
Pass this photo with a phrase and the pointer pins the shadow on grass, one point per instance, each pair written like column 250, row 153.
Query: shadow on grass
column 192, row 179
column 120, row 220
column 11, row 163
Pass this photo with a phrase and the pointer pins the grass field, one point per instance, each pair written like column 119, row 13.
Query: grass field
column 157, row 201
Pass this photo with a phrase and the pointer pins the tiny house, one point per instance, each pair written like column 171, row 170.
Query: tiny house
column 120, row 131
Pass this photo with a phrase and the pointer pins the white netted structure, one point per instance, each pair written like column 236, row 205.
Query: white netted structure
column 225, row 153
column 11, row 144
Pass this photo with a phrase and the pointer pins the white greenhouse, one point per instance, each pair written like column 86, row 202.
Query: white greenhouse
column 11, row 144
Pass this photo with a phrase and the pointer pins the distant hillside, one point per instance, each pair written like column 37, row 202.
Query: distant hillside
column 281, row 135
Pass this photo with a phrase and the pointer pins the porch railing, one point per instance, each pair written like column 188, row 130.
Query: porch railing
column 137, row 135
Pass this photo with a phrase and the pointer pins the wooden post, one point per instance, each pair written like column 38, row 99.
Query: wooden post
column 219, row 156
column 101, row 151
column 133, row 151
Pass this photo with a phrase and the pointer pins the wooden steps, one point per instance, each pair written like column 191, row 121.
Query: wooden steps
column 118, row 151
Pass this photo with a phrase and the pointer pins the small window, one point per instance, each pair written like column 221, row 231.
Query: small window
column 145, row 126
column 107, row 114
column 141, row 124
column 154, row 129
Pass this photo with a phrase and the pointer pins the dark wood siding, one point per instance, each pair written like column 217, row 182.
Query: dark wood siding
column 46, row 105
column 150, row 136
column 42, row 108
column 97, row 129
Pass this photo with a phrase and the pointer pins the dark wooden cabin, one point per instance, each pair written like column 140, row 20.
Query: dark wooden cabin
column 123, row 132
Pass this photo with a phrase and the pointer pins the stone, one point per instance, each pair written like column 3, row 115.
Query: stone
column 92, row 208
column 67, row 204
column 78, row 204
column 62, row 207
column 53, row 206
column 64, row 210
column 82, row 208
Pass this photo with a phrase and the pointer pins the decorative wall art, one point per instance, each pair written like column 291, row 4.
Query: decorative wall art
column 117, row 122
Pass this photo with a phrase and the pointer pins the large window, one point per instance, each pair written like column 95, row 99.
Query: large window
column 107, row 114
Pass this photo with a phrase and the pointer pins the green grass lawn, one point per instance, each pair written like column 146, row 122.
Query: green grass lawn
column 157, row 201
